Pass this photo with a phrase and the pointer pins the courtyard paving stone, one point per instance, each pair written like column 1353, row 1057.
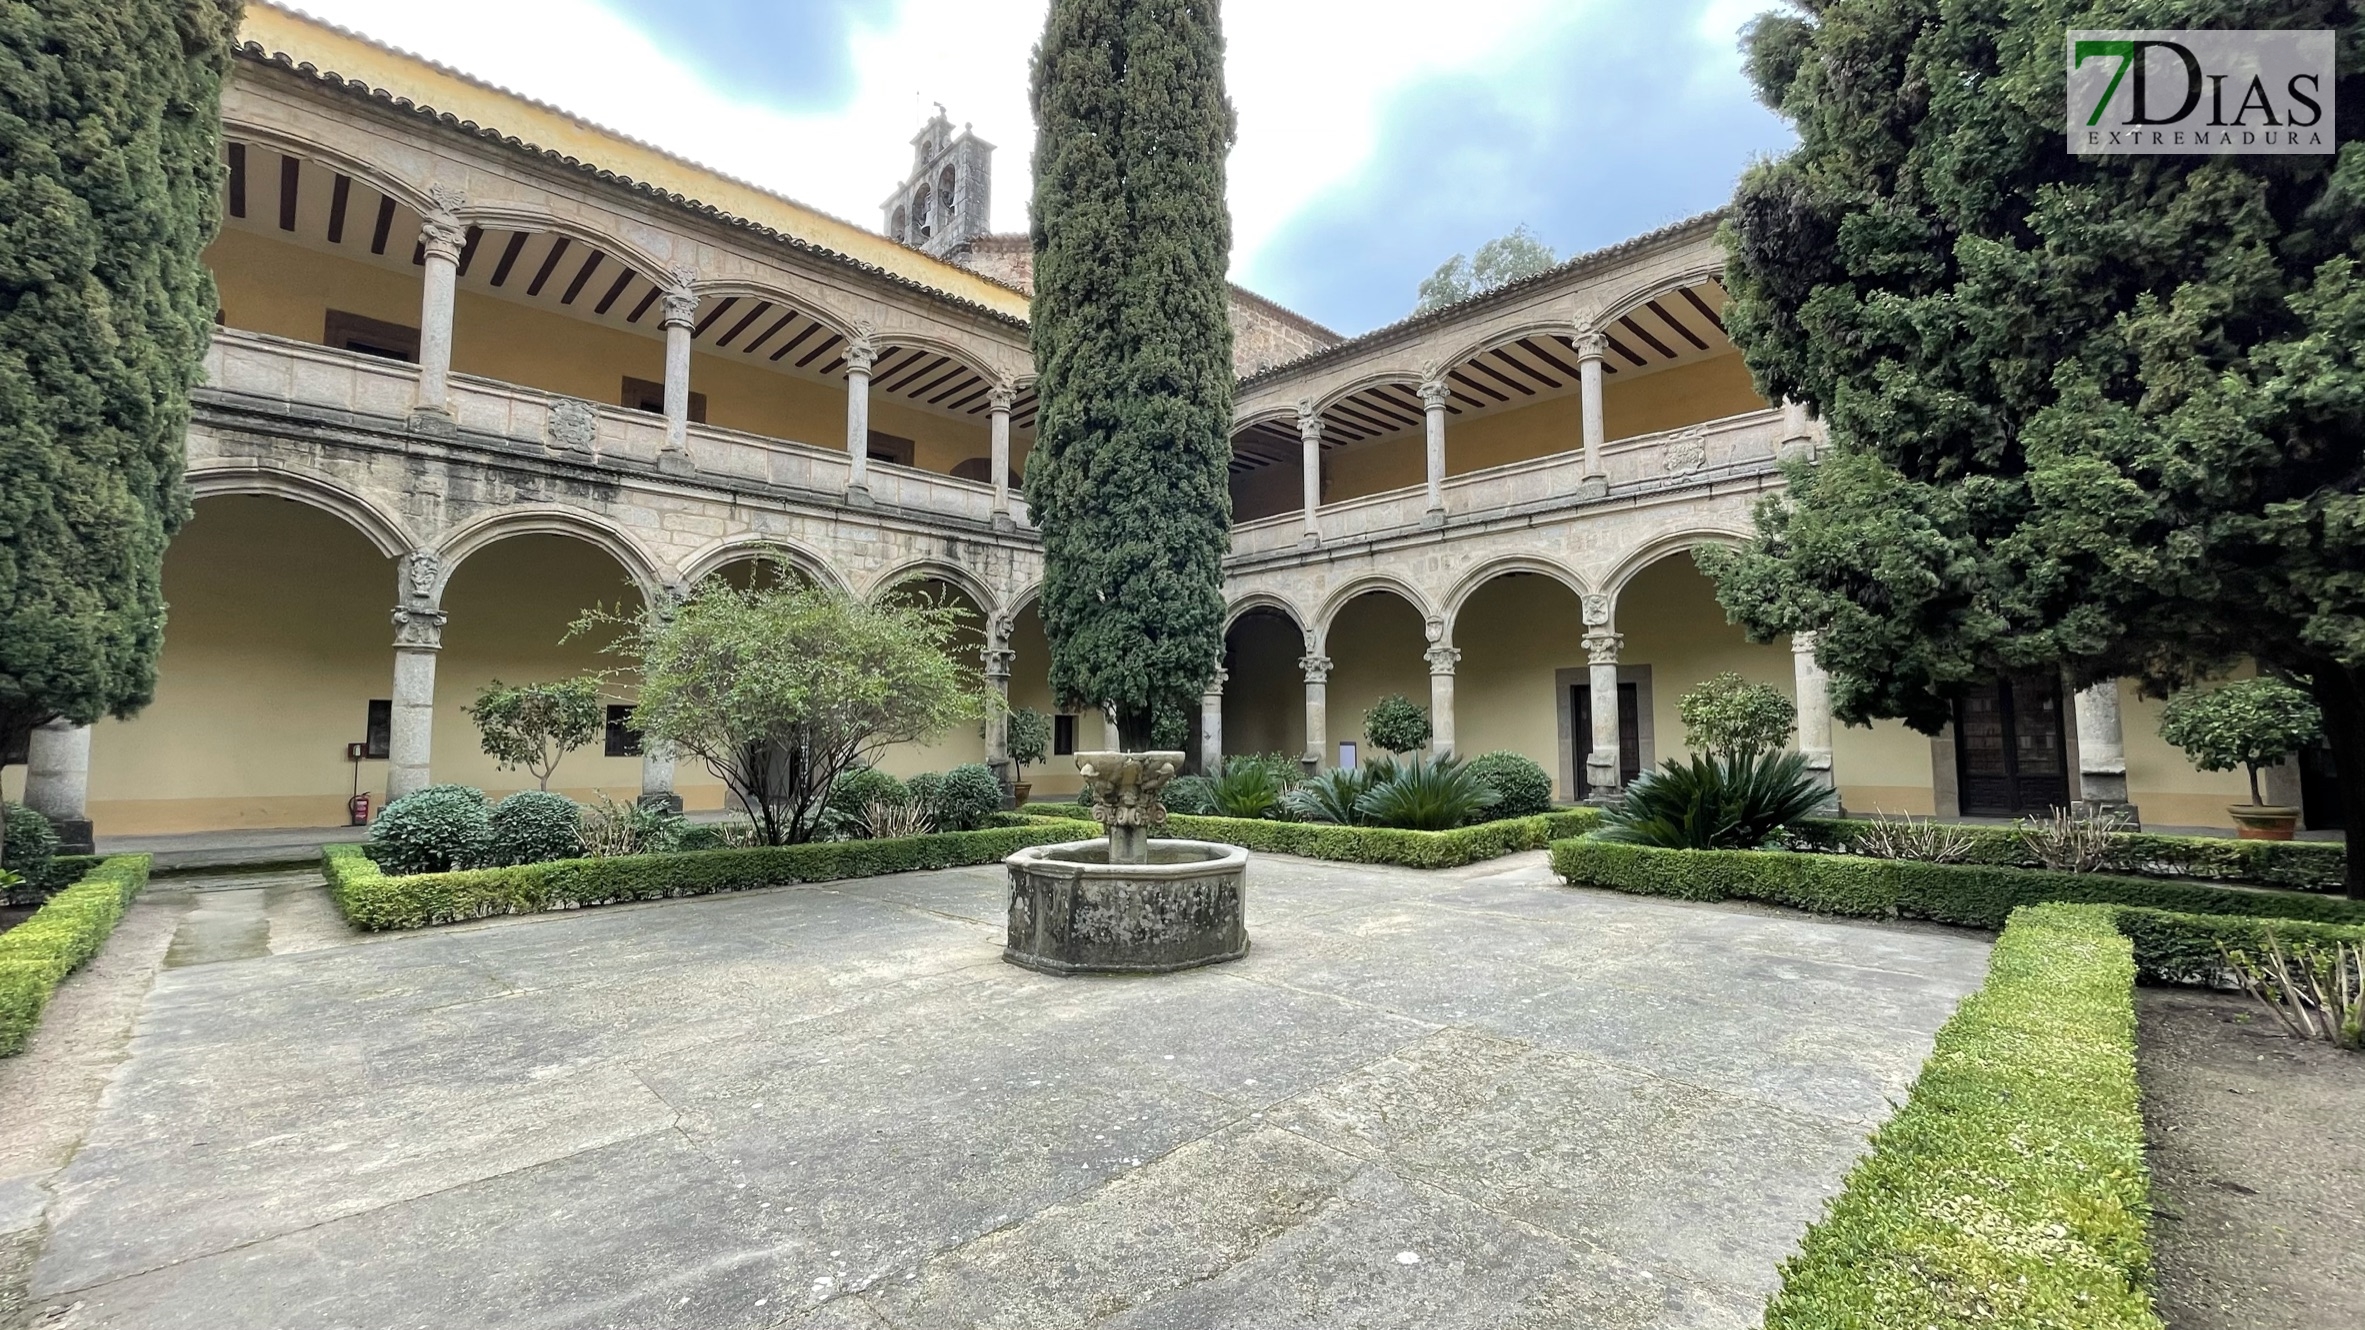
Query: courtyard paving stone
column 1461, row 1098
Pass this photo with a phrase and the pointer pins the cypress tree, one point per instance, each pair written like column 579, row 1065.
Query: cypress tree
column 110, row 169
column 1128, row 481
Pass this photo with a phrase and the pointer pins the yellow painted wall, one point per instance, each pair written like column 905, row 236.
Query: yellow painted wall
column 2161, row 782
column 1265, row 691
column 1515, row 633
column 964, row 743
column 1882, row 768
column 1376, row 648
column 1672, row 623
column 1030, row 686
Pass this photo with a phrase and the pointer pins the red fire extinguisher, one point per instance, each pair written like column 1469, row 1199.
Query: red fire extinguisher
column 359, row 806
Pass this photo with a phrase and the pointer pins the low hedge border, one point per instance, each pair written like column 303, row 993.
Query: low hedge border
column 375, row 902
column 2175, row 948
column 2010, row 1189
column 38, row 954
column 1388, row 845
column 2295, row 865
column 1977, row 895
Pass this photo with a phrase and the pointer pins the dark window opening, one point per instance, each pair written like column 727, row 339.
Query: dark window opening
column 642, row 395
column 891, row 448
column 981, row 470
column 1063, row 736
column 1580, row 698
column 377, row 735
column 370, row 337
column 623, row 740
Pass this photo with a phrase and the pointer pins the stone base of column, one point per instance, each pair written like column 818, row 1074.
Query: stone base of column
column 1433, row 518
column 1603, row 799
column 667, row 800
column 858, row 496
column 2100, row 810
column 74, row 835
column 1593, row 487
column 1309, row 541
column 1003, row 521
column 434, row 421
column 676, row 462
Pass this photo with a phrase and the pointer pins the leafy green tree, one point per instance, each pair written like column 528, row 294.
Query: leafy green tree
column 2250, row 723
column 1502, row 260
column 535, row 725
column 1027, row 736
column 782, row 687
column 1129, row 479
column 1397, row 724
column 1727, row 717
column 110, row 174
column 2105, row 414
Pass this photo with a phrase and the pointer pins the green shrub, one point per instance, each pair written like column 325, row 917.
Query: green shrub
column 1522, row 789
column 1331, row 796
column 1978, row 895
column 1726, row 717
column 1246, row 789
column 2178, row 948
column 1715, row 803
column 969, row 794
column 2297, row 865
column 1397, row 724
column 30, row 841
column 1191, row 796
column 37, row 955
column 926, row 790
column 1388, row 845
column 2010, row 1189
column 374, row 901
column 432, row 830
column 1026, row 736
column 531, row 826
column 609, row 827
column 1423, row 795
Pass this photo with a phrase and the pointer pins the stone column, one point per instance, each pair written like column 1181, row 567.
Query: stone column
column 418, row 635
column 998, row 407
column 679, row 319
column 1798, row 434
column 2102, row 755
column 657, row 759
column 1309, row 433
column 1317, row 668
column 1211, row 725
column 1813, row 694
column 999, row 658
column 1442, row 659
column 859, row 356
column 57, row 782
column 1601, row 653
column 1591, row 347
column 441, row 236
column 1433, row 395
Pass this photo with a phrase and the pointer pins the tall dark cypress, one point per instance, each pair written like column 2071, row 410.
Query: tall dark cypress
column 1128, row 481
column 110, row 176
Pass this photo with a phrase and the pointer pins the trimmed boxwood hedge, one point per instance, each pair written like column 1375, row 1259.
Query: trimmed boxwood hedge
column 1973, row 894
column 2010, row 1189
column 37, row 955
column 373, row 901
column 2173, row 948
column 1387, row 845
column 2298, row 865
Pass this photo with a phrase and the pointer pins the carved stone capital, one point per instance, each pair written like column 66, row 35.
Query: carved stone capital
column 1802, row 643
column 417, row 629
column 1442, row 659
column 1602, row 648
column 442, row 235
column 1317, row 667
column 1309, row 424
column 861, row 353
column 998, row 662
column 1125, row 786
column 1000, row 398
column 680, row 307
column 1214, row 692
column 1434, row 394
column 1591, row 346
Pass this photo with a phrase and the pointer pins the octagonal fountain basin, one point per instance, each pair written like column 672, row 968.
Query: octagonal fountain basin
column 1074, row 912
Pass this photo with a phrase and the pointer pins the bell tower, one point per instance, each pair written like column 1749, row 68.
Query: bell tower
column 947, row 200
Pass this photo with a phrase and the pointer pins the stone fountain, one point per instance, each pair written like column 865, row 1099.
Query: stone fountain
column 1127, row 904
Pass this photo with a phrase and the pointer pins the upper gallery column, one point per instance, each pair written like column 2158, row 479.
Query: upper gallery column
column 1317, row 668
column 1601, row 655
column 1813, row 692
column 1309, row 434
column 57, row 782
column 1433, row 395
column 679, row 319
column 1442, row 659
column 1211, row 724
column 1591, row 347
column 860, row 354
column 418, row 635
column 441, row 237
column 2102, row 754
column 998, row 407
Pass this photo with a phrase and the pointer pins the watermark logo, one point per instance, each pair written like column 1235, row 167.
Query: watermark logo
column 2170, row 92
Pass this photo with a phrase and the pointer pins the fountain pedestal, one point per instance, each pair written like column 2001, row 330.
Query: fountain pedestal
column 1127, row 904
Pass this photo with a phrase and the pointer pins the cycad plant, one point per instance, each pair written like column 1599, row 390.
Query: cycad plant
column 1424, row 795
column 1332, row 796
column 1710, row 803
column 1246, row 788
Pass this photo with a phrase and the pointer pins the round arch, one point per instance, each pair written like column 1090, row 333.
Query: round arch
column 509, row 216
column 1264, row 600
column 1487, row 572
column 952, row 575
column 550, row 521
column 1643, row 556
column 1371, row 584
column 964, row 356
column 1268, row 415
column 1634, row 297
column 380, row 527
column 1384, row 378
column 402, row 191
column 811, row 305
column 1556, row 326
column 737, row 549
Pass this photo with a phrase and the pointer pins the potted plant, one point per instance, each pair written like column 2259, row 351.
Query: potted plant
column 2250, row 723
column 1027, row 733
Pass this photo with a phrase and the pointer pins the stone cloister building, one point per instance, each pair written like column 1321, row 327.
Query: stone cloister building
column 481, row 366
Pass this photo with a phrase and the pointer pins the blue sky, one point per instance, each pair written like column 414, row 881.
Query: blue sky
column 1375, row 141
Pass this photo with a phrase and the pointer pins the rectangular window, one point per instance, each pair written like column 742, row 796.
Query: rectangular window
column 642, row 395
column 378, row 733
column 1346, row 755
column 892, row 448
column 623, row 740
column 1063, row 736
column 371, row 337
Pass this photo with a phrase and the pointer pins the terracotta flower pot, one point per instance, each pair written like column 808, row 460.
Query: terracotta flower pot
column 2265, row 821
column 1018, row 793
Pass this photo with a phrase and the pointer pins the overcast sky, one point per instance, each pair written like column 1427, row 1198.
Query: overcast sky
column 1376, row 139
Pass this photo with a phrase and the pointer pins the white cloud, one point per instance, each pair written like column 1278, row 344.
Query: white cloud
column 1308, row 78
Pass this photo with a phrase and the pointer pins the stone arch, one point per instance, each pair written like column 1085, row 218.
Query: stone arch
column 1367, row 584
column 589, row 528
column 1633, row 297
column 1266, row 600
column 947, row 183
column 380, row 527
column 1285, row 413
column 1375, row 379
column 1494, row 568
column 1559, row 325
column 951, row 574
column 402, row 191
column 923, row 213
column 810, row 304
column 716, row 557
column 914, row 340
column 1650, row 552
column 512, row 216
column 900, row 228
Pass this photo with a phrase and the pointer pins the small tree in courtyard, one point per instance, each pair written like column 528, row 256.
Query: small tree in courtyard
column 781, row 688
column 1129, row 478
column 2250, row 723
column 1396, row 724
column 1027, row 737
column 534, row 725
column 1728, row 717
column 2102, row 414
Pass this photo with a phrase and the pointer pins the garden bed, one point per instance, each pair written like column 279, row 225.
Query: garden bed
column 2292, row 865
column 1388, row 845
column 38, row 954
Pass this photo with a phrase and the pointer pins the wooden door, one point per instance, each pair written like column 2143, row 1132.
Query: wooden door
column 2011, row 758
